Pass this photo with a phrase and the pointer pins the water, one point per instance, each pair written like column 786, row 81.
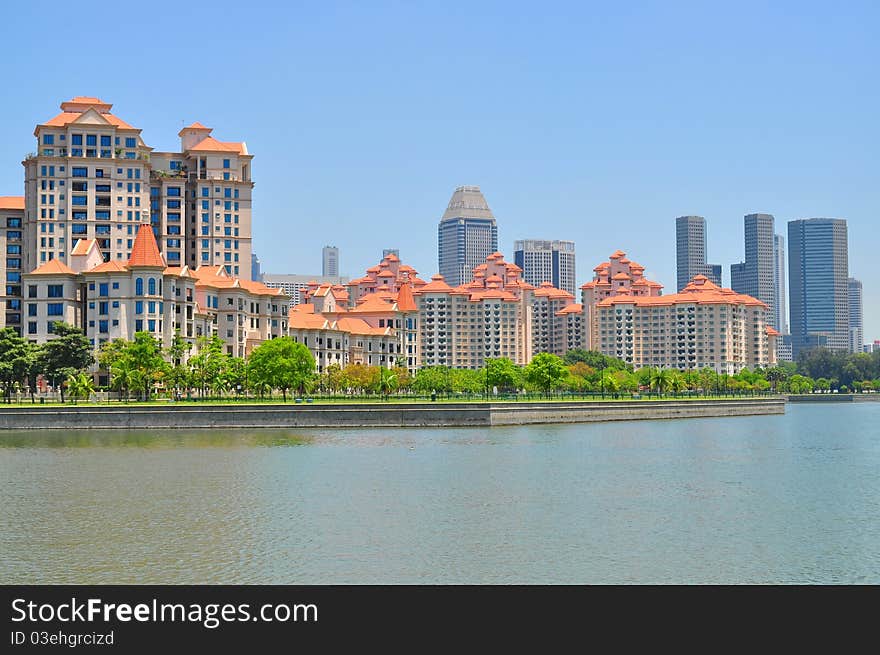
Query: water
column 774, row 499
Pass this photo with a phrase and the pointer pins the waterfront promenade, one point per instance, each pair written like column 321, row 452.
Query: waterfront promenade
column 390, row 414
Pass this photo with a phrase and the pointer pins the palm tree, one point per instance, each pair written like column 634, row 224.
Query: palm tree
column 387, row 381
column 80, row 386
column 660, row 379
column 677, row 381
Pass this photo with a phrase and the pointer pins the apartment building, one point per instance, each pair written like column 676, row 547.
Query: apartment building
column 12, row 246
column 704, row 325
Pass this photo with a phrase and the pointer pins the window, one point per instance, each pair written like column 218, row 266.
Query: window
column 55, row 309
column 103, row 289
column 32, row 291
column 225, row 163
column 55, row 290
column 130, row 142
column 91, row 140
column 139, row 287
column 173, row 191
column 151, row 286
column 76, row 139
column 48, row 139
column 80, row 171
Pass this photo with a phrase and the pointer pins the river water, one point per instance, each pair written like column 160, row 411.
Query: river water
column 767, row 499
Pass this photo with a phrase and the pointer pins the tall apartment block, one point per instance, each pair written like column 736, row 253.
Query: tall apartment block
column 93, row 177
column 546, row 261
column 330, row 261
column 780, row 318
column 12, row 245
column 856, row 316
column 817, row 276
column 690, row 246
column 467, row 235
column 755, row 277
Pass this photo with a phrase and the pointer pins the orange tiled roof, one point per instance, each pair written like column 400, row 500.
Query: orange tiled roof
column 11, row 202
column 574, row 308
column 773, row 332
column 194, row 126
column 210, row 144
column 436, row 285
column 145, row 251
column 82, row 246
column 112, row 266
column 53, row 267
column 405, row 300
column 360, row 326
column 700, row 290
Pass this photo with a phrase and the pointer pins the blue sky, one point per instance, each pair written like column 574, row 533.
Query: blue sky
column 598, row 123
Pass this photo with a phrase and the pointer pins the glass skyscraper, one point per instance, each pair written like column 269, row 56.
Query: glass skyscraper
column 755, row 277
column 690, row 249
column 466, row 236
column 817, row 277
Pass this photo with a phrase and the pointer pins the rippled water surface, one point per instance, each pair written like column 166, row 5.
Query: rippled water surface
column 778, row 499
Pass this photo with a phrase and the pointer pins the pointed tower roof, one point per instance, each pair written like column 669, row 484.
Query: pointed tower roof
column 145, row 251
column 405, row 300
column 467, row 202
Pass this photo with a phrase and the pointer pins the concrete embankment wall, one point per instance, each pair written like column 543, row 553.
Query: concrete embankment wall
column 373, row 415
column 834, row 398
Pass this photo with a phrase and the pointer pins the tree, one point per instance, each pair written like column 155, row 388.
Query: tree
column 69, row 352
column 594, row 359
column 501, row 372
column 144, row 356
column 17, row 358
column 208, row 362
column 660, row 380
column 387, row 381
column 546, row 371
column 178, row 372
column 281, row 363
column 432, row 379
column 80, row 386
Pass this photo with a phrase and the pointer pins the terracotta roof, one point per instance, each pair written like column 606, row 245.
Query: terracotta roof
column 298, row 319
column 773, row 332
column 436, row 285
column 547, row 290
column 194, row 126
column 145, row 251
column 53, row 267
column 617, row 254
column 82, row 246
column 112, row 266
column 67, row 117
column 360, row 326
column 700, row 290
column 574, row 308
column 210, row 144
column 620, row 276
column 405, row 300
column 11, row 202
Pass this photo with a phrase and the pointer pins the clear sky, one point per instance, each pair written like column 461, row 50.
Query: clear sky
column 595, row 122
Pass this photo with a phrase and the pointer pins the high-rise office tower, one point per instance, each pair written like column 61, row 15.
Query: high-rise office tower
column 256, row 269
column 690, row 245
column 467, row 235
column 546, row 261
column 755, row 276
column 780, row 320
column 330, row 261
column 856, row 318
column 390, row 251
column 817, row 278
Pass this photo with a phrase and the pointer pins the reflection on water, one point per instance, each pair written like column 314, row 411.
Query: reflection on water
column 792, row 498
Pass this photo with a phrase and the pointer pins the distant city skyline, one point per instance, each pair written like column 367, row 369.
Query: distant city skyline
column 375, row 162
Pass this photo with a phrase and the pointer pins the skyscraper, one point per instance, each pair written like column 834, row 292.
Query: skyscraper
column 467, row 235
column 856, row 319
column 817, row 277
column 256, row 269
column 330, row 261
column 755, row 276
column 690, row 245
column 779, row 290
column 546, row 261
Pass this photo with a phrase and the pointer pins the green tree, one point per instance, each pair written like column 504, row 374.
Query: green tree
column 177, row 352
column 546, row 371
column 501, row 372
column 594, row 359
column 432, row 379
column 145, row 361
column 17, row 357
column 387, row 382
column 660, row 380
column 80, row 386
column 207, row 364
column 69, row 352
column 281, row 363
